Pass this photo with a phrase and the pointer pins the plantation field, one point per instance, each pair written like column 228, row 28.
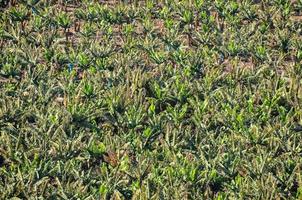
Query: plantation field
column 192, row 99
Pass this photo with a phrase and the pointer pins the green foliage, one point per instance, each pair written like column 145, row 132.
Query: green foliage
column 136, row 99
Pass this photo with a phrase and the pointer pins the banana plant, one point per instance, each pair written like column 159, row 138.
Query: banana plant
column 20, row 14
column 88, row 89
column 134, row 117
column 187, row 18
column 157, row 57
column 147, row 24
column 177, row 114
column 249, row 11
column 165, row 12
column 93, row 12
column 88, row 30
column 65, row 22
column 233, row 48
column 101, row 51
column 84, row 60
column 198, row 7
column 172, row 40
